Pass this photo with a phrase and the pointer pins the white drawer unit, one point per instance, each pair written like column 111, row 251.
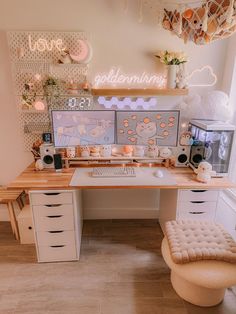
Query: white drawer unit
column 226, row 214
column 195, row 204
column 53, row 210
column 197, row 210
column 57, row 218
column 57, row 253
column 59, row 237
column 51, row 198
column 198, row 195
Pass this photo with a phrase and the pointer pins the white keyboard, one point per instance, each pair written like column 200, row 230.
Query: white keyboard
column 112, row 172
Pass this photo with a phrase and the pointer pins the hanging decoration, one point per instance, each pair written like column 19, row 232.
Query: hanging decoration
column 201, row 21
column 210, row 21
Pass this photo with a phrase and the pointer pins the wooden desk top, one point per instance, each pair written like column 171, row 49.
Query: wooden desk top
column 30, row 179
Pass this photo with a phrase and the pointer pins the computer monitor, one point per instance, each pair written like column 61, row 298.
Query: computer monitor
column 147, row 127
column 91, row 127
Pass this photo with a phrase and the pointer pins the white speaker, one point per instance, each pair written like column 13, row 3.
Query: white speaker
column 197, row 155
column 46, row 154
column 182, row 154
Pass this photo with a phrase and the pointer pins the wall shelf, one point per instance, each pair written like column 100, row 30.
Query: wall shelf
column 138, row 92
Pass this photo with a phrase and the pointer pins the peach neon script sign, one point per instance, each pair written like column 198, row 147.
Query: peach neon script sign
column 116, row 77
column 43, row 44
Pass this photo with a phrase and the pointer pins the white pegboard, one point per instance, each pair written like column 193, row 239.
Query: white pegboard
column 26, row 64
column 19, row 40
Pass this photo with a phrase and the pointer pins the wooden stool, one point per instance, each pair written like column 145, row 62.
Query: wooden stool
column 8, row 197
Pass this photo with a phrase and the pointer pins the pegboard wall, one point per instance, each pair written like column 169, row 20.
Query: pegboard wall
column 35, row 58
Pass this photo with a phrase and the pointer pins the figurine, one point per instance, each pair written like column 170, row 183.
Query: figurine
column 94, row 151
column 84, row 151
column 70, row 152
column 128, row 151
column 39, row 165
column 152, row 151
column 186, row 139
column 204, row 172
column 165, row 152
column 105, row 151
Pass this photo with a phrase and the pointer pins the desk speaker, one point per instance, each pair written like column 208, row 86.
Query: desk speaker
column 182, row 154
column 197, row 155
column 46, row 154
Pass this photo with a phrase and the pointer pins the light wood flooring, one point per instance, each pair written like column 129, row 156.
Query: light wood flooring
column 121, row 271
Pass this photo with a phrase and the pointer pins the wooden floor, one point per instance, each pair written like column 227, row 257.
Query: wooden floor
column 121, row 271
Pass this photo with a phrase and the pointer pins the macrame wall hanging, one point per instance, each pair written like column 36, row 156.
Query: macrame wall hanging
column 198, row 21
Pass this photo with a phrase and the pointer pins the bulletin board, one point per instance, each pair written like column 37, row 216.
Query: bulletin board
column 148, row 127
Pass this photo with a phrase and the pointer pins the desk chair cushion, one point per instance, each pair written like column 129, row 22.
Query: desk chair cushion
column 193, row 240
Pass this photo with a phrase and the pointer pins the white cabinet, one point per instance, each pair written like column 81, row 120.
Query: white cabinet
column 226, row 214
column 57, row 218
column 187, row 204
column 197, row 204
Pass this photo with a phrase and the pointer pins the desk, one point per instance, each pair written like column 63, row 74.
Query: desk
column 57, row 208
column 30, row 179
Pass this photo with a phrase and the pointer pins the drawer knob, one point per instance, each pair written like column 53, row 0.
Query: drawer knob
column 51, row 193
column 55, row 246
column 197, row 202
column 198, row 191
column 53, row 205
column 30, row 228
column 55, row 216
column 58, row 231
column 196, row 213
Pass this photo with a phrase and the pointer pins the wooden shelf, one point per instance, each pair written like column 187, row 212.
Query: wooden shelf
column 138, row 92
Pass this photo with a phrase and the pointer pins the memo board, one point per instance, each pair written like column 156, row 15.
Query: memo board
column 147, row 127
column 71, row 128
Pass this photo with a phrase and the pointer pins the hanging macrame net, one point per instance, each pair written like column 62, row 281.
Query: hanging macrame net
column 201, row 22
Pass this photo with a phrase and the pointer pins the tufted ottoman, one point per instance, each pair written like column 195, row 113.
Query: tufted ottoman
column 200, row 282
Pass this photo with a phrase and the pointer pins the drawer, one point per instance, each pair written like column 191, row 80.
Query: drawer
column 47, row 238
column 54, row 223
column 50, row 198
column 56, row 209
column 203, row 210
column 57, row 253
column 198, row 195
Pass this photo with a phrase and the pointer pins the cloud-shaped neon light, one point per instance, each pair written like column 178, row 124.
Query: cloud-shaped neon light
column 209, row 73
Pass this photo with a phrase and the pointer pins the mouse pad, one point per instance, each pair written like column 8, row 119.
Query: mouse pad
column 145, row 176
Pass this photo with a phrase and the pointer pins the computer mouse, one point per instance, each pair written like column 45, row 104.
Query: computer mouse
column 158, row 173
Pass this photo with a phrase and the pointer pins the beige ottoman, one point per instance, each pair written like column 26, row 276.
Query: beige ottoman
column 201, row 283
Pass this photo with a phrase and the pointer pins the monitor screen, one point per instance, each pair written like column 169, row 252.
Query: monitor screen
column 147, row 127
column 72, row 128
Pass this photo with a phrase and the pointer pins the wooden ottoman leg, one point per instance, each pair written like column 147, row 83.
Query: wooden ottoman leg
column 13, row 221
column 196, row 294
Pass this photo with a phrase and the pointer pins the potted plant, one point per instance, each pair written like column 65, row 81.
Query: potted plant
column 172, row 60
column 51, row 89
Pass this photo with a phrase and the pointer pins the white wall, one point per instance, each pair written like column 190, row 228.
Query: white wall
column 117, row 40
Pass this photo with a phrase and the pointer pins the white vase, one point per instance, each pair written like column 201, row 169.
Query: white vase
column 171, row 76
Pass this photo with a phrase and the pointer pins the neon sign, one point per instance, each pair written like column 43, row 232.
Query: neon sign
column 212, row 77
column 116, row 77
column 43, row 44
